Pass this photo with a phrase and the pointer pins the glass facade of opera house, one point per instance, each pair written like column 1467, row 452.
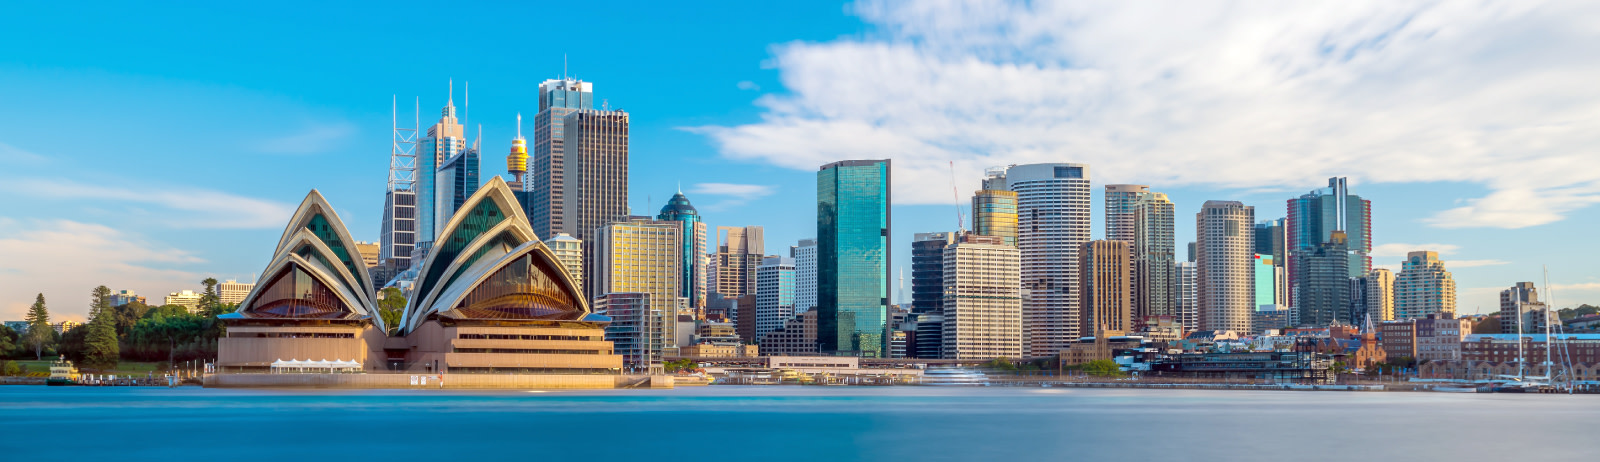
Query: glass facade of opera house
column 491, row 299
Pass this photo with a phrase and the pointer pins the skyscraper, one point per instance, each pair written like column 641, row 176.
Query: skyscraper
column 739, row 251
column 994, row 213
column 456, row 181
column 1119, row 210
column 442, row 142
column 1186, row 295
column 595, row 162
column 399, row 226
column 1373, row 296
column 774, row 294
column 547, row 181
column 853, row 257
column 1052, row 225
column 805, row 275
column 927, row 271
column 694, row 247
column 981, row 315
column 1225, row 283
column 1312, row 220
column 1107, row 292
column 642, row 256
column 1325, row 284
column 1272, row 282
column 1423, row 287
column 1152, row 254
column 568, row 251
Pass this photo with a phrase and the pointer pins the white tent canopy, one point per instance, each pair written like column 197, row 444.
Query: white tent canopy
column 323, row 366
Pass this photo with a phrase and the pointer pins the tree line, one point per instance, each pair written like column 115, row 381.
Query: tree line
column 132, row 331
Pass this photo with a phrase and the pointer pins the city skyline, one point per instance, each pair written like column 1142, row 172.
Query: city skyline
column 210, row 204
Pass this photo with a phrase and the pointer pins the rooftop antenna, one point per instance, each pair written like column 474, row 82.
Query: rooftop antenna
column 519, row 125
column 563, row 66
column 451, row 100
column 466, row 115
column 956, row 195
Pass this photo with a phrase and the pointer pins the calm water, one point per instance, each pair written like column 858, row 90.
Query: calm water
column 793, row 423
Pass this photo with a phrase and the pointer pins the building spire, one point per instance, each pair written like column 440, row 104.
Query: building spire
column 519, row 125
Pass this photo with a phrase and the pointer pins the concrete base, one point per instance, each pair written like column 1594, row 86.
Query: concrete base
column 452, row 381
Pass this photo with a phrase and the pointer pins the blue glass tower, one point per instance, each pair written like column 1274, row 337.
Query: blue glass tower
column 694, row 236
column 444, row 141
column 853, row 258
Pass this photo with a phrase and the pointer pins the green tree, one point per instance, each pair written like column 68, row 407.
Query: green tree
column 391, row 303
column 9, row 341
column 11, row 368
column 171, row 325
column 100, row 349
column 1102, row 368
column 40, row 334
column 1001, row 364
column 208, row 299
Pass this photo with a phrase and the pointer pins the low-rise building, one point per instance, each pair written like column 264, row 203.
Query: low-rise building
column 184, row 298
column 1295, row 367
column 720, row 350
column 798, row 336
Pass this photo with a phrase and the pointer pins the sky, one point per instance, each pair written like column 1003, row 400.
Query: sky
column 147, row 147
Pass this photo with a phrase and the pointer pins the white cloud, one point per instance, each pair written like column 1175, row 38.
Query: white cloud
column 734, row 194
column 1400, row 249
column 1581, row 286
column 748, row 85
column 316, row 138
column 1253, row 95
column 1473, row 263
column 64, row 259
column 190, row 207
column 13, row 155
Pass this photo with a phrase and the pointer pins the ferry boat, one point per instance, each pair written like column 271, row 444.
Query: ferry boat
column 62, row 373
column 954, row 377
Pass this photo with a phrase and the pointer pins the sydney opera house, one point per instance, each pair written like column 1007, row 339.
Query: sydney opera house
column 490, row 300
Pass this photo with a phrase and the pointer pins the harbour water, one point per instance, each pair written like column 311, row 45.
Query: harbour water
column 790, row 423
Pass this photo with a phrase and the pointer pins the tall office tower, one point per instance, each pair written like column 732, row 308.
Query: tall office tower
column 1521, row 304
column 457, row 180
column 739, row 251
column 1373, row 297
column 1107, row 292
column 1268, row 277
column 1119, row 210
column 853, row 258
column 982, row 308
column 1423, row 287
column 805, row 276
column 994, row 213
column 517, row 160
column 596, row 166
column 1312, row 220
column 694, row 247
column 642, row 256
column 927, row 271
column 1325, row 285
column 547, row 181
column 774, row 294
column 1152, row 254
column 568, row 251
column 1186, row 295
column 1271, row 241
column 1225, row 283
column 1052, row 225
column 443, row 141
column 399, row 223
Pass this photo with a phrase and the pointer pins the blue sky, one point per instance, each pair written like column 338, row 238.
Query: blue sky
column 147, row 147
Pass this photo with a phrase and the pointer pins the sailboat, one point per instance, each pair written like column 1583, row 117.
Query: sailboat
column 1523, row 383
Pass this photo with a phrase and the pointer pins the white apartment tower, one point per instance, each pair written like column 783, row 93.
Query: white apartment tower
column 1053, row 209
column 1224, row 247
column 805, row 275
column 982, row 299
column 1423, row 287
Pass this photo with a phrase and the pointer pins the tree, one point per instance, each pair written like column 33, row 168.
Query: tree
column 209, row 302
column 1102, row 368
column 9, row 341
column 40, row 334
column 1001, row 364
column 391, row 303
column 100, row 349
column 172, row 325
column 11, row 368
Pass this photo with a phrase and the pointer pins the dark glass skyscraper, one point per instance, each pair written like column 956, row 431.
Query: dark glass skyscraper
column 546, row 182
column 1314, row 219
column 853, row 257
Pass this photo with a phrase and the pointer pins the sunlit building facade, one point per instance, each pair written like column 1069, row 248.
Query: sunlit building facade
column 643, row 256
column 1225, row 281
column 853, row 257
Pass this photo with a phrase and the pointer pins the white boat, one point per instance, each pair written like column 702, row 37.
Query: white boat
column 954, row 377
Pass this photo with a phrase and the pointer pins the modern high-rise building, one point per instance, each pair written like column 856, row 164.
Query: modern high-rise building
column 1107, row 292
column 1423, row 287
column 443, row 141
column 546, row 181
column 1153, row 253
column 1119, row 210
column 1325, row 284
column 1186, row 295
column 694, row 247
column 1373, row 297
column 595, row 163
column 636, row 331
column 456, row 181
column 399, row 226
column 642, row 256
column 1271, row 240
column 994, row 213
column 231, row 292
column 805, row 275
column 1053, row 208
column 569, row 251
column 774, row 294
column 1520, row 308
column 927, row 271
column 1223, row 276
column 739, row 251
column 982, row 309
column 853, row 257
column 1313, row 218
